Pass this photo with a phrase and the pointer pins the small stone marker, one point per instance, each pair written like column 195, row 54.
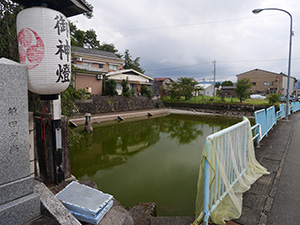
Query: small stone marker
column 18, row 203
column 88, row 127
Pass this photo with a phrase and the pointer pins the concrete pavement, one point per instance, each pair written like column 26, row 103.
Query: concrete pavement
column 286, row 205
column 274, row 198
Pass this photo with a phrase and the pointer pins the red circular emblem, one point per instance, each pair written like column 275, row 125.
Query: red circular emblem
column 31, row 48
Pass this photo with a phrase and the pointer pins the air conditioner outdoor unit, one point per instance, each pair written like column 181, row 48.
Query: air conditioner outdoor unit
column 99, row 77
column 79, row 59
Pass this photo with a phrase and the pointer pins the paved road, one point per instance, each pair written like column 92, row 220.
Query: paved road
column 286, row 205
column 275, row 198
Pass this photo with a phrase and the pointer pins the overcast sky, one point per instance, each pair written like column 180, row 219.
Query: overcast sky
column 183, row 37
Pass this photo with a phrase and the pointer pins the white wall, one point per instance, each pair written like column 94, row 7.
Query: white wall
column 209, row 91
column 130, row 78
column 284, row 85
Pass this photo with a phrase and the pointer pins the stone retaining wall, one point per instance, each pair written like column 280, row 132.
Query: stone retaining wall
column 219, row 108
column 105, row 104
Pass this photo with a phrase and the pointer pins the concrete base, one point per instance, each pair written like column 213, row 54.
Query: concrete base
column 16, row 189
column 20, row 210
column 52, row 207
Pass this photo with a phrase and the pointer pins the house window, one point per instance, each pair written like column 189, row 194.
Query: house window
column 254, row 83
column 267, row 83
column 101, row 66
column 119, row 86
column 87, row 64
column 113, row 67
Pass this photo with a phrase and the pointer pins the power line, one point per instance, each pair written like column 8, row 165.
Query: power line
column 189, row 25
column 259, row 60
column 220, row 61
column 180, row 67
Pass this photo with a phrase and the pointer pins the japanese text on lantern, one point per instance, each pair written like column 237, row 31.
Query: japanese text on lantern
column 63, row 50
column 12, row 129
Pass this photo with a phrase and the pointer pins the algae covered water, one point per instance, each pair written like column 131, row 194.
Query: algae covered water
column 151, row 160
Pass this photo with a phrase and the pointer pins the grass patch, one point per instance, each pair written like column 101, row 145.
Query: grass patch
column 208, row 100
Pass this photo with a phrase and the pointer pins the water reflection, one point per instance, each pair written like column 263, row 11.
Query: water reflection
column 156, row 159
column 112, row 145
column 184, row 131
column 109, row 146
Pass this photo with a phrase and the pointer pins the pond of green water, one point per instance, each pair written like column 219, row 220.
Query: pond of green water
column 151, row 160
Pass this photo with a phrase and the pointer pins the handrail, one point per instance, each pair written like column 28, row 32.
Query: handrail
column 265, row 120
column 236, row 160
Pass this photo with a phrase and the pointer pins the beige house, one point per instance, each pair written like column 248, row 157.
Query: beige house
column 135, row 79
column 265, row 82
column 91, row 66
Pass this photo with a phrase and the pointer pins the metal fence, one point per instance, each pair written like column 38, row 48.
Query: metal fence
column 230, row 142
column 230, row 145
column 265, row 119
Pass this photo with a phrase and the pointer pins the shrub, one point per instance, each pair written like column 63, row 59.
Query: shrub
column 273, row 98
column 145, row 91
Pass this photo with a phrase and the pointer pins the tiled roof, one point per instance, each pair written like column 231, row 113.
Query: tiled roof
column 95, row 52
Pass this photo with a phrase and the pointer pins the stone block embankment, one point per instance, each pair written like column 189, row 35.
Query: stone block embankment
column 107, row 104
column 219, row 108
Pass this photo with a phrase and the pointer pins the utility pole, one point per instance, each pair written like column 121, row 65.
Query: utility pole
column 214, row 62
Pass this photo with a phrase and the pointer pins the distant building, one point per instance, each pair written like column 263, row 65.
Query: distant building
column 91, row 67
column 265, row 82
column 208, row 89
column 135, row 79
column 159, row 83
column 227, row 91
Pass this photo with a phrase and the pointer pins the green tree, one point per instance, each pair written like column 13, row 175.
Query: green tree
column 108, row 47
column 218, row 84
column 175, row 92
column 242, row 89
column 82, row 38
column 227, row 83
column 88, row 39
column 110, row 87
column 132, row 64
column 8, row 30
column 125, row 88
column 185, row 86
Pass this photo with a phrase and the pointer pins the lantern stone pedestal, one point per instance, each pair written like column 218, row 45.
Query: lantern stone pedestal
column 18, row 202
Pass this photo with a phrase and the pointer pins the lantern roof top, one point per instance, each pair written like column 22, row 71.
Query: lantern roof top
column 66, row 7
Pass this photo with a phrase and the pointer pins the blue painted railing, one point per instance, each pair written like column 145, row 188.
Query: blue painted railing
column 265, row 120
column 231, row 146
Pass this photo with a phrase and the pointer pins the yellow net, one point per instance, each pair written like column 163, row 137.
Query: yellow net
column 233, row 168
